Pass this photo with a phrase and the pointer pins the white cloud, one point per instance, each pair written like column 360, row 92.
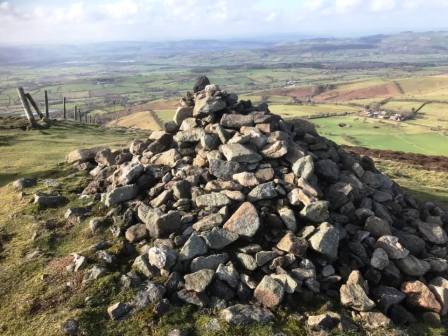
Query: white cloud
column 122, row 9
column 159, row 19
column 382, row 5
column 344, row 6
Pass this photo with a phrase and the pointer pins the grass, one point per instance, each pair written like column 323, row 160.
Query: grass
column 425, row 185
column 35, row 152
column 140, row 120
column 300, row 111
column 379, row 134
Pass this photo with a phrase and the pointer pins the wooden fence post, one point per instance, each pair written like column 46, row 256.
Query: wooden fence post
column 75, row 116
column 64, row 102
column 47, row 108
column 85, row 115
column 34, row 105
column 26, row 106
column 79, row 115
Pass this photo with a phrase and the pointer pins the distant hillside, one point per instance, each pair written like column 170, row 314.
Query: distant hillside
column 173, row 52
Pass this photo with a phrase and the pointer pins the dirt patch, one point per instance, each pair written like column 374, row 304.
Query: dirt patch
column 163, row 104
column 428, row 162
column 385, row 90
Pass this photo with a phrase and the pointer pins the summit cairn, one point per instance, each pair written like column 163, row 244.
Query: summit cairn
column 240, row 210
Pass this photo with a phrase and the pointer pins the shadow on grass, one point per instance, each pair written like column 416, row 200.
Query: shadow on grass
column 7, row 178
column 428, row 196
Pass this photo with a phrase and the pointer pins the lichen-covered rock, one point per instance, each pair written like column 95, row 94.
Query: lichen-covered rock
column 269, row 292
column 245, row 221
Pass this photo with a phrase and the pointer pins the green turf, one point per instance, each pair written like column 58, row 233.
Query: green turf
column 382, row 135
column 37, row 151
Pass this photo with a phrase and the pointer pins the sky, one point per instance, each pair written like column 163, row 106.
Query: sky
column 77, row 21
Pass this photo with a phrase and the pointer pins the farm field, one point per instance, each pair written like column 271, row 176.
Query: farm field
column 364, row 132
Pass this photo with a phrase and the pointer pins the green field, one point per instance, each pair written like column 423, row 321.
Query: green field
column 38, row 151
column 383, row 135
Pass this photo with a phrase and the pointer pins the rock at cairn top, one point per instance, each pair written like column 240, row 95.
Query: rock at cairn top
column 242, row 206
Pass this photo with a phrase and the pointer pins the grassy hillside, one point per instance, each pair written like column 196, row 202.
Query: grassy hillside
column 37, row 152
column 35, row 249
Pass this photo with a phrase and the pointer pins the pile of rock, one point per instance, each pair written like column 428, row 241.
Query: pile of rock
column 242, row 211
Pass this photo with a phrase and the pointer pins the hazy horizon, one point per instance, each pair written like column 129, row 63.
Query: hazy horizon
column 74, row 21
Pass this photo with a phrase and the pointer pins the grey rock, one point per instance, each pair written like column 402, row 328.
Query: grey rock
column 316, row 212
column 275, row 150
column 328, row 169
column 208, row 105
column 326, row 241
column 289, row 284
column 236, row 120
column 269, row 292
column 432, row 232
column 218, row 238
column 246, row 314
column 380, row 259
column 159, row 224
column 208, row 222
column 293, row 244
column 324, row 321
column 130, row 172
column 183, row 113
column 377, row 227
column 94, row 273
column 150, row 294
column 70, row 327
column 439, row 287
column 198, row 281
column 240, row 153
column 263, row 257
column 118, row 310
column 193, row 247
column 413, row 266
column 23, row 183
column 224, row 169
column 49, row 201
column 209, row 262
column 246, row 179
column 168, row 158
column 142, row 266
column 386, row 297
column 353, row 294
column 212, row 200
column 200, row 84
column 247, row 261
column 228, row 274
column 375, row 320
column 263, row 191
column 288, row 217
column 304, row 167
column 136, row 233
column 162, row 257
column 245, row 221
column 192, row 135
column 392, row 246
column 120, row 195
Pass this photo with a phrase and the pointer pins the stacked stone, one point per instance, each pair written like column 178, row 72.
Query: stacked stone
column 242, row 211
